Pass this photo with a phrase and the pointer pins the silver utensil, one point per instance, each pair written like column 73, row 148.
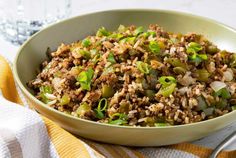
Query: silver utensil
column 227, row 141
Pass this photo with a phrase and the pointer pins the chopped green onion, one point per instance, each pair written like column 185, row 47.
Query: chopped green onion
column 102, row 32
column 86, row 43
column 203, row 56
column 65, row 99
column 102, row 106
column 152, row 33
column 111, row 58
column 154, row 47
column 194, row 47
column 86, row 54
column 84, row 107
column 143, row 67
column 162, row 124
column 46, row 89
column 138, row 31
column 222, row 103
column 168, row 85
column 130, row 40
column 43, row 91
column 96, row 58
column 85, row 78
column 116, row 36
column 167, row 80
column 224, row 93
column 168, row 90
column 122, row 119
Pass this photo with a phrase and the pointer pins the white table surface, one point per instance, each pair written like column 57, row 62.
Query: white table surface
column 223, row 11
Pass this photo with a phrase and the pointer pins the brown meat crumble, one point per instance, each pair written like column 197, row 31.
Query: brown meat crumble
column 139, row 78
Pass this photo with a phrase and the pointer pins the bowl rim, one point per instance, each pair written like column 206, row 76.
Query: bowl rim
column 73, row 118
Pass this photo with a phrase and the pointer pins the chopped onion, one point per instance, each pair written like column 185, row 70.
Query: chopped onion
column 217, row 85
column 50, row 96
column 183, row 90
column 228, row 74
column 51, row 102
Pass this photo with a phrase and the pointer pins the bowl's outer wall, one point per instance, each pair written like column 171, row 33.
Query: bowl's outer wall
column 33, row 51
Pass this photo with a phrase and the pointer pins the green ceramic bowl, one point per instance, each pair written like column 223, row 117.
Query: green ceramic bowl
column 32, row 53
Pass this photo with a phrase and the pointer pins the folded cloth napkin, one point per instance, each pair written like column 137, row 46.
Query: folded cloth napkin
column 25, row 133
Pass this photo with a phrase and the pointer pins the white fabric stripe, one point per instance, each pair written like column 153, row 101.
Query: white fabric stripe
column 12, row 143
column 4, row 151
column 48, row 143
column 165, row 153
column 28, row 128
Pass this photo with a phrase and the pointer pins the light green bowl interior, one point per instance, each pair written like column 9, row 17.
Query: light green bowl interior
column 32, row 53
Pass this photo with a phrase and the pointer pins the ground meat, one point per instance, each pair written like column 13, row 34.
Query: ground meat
column 139, row 78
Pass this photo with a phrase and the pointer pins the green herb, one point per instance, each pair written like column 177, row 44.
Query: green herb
column 84, row 107
column 46, row 89
column 197, row 58
column 122, row 119
column 194, row 47
column 102, row 106
column 167, row 80
column 224, row 93
column 149, row 33
column 117, row 36
column 43, row 90
column 111, row 58
column 138, row 31
column 222, row 103
column 86, row 54
column 86, row 43
column 85, row 78
column 65, row 99
column 168, row 90
column 154, row 47
column 130, row 40
column 102, row 32
column 143, row 67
